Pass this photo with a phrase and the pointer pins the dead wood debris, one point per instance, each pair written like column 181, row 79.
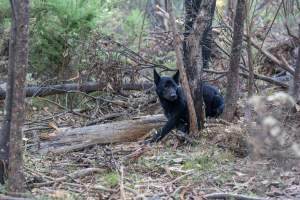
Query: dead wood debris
column 231, row 196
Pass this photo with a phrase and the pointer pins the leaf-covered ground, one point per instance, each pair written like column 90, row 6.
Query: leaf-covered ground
column 215, row 164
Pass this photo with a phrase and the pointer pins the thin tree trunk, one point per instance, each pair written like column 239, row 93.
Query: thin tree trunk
column 251, row 70
column 192, row 9
column 5, row 131
column 15, row 104
column 249, row 23
column 232, row 92
column 193, row 52
column 231, row 4
column 207, row 38
column 250, row 86
column 184, row 80
column 296, row 85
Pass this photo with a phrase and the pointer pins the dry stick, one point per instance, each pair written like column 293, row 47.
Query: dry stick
column 142, row 28
column 266, row 53
column 80, row 173
column 180, row 66
column 105, row 117
column 180, row 178
column 131, row 190
column 289, row 32
column 266, row 79
column 4, row 197
column 272, row 57
column 37, row 173
column 231, row 196
column 269, row 29
column 122, row 190
column 137, row 153
column 256, row 76
column 74, row 175
column 92, row 187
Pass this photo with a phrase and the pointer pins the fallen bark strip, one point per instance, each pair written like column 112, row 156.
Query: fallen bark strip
column 4, row 197
column 231, row 196
column 64, row 88
column 71, row 139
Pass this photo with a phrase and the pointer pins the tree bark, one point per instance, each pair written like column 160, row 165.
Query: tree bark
column 15, row 104
column 183, row 76
column 192, row 9
column 249, row 24
column 70, row 139
column 296, row 84
column 193, row 51
column 40, row 91
column 5, row 131
column 232, row 92
column 231, row 4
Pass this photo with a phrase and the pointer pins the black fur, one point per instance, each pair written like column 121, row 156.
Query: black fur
column 213, row 100
column 174, row 103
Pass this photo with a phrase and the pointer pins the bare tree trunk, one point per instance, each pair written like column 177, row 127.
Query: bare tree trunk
column 5, row 131
column 192, row 9
column 249, row 24
column 232, row 92
column 15, row 104
column 184, row 80
column 231, row 4
column 193, row 51
column 296, row 85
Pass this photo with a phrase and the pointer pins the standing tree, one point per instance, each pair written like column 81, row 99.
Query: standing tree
column 296, row 84
column 232, row 93
column 196, row 47
column 231, row 4
column 11, row 133
column 192, row 9
column 249, row 26
column 180, row 66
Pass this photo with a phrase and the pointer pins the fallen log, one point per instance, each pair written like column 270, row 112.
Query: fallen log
column 71, row 139
column 73, row 87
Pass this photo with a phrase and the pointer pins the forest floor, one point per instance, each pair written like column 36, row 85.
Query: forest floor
column 218, row 163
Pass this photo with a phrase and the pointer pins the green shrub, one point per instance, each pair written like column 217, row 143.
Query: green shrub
column 57, row 28
column 133, row 24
